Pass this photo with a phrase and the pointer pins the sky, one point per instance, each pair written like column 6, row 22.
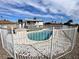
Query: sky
column 46, row 10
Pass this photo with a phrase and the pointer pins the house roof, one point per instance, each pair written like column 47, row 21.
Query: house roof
column 6, row 22
column 34, row 20
column 50, row 23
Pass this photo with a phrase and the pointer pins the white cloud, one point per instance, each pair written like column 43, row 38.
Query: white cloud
column 66, row 6
column 12, row 11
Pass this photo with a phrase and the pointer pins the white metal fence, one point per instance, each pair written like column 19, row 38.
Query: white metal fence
column 47, row 43
column 7, row 41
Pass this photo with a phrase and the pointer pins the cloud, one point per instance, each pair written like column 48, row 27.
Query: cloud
column 38, row 8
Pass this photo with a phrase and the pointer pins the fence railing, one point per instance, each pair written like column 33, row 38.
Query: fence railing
column 45, row 43
column 7, row 41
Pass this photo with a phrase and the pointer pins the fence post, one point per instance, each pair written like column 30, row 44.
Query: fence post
column 51, row 43
column 13, row 43
column 2, row 40
column 74, row 39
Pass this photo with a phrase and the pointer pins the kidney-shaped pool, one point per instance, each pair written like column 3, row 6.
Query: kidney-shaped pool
column 39, row 35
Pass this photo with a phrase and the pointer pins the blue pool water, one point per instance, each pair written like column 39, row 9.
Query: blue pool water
column 40, row 36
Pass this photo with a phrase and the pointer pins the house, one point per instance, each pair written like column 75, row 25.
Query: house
column 51, row 24
column 7, row 24
column 31, row 23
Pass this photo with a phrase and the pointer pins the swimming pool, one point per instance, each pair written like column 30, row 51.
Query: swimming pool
column 40, row 35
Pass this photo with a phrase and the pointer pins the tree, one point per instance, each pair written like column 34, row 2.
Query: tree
column 34, row 18
column 68, row 22
column 20, row 21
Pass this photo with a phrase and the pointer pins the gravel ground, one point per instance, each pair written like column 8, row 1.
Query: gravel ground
column 73, row 55
column 3, row 53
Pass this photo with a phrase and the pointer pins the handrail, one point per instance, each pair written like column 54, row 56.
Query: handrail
column 66, row 28
column 43, row 28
